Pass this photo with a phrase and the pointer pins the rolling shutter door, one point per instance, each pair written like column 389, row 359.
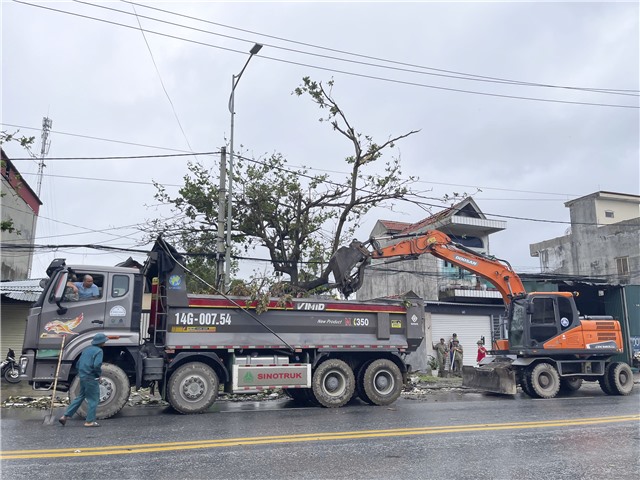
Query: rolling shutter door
column 14, row 320
column 469, row 329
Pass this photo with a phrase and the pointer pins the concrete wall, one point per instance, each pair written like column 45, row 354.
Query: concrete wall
column 591, row 249
column 384, row 280
column 15, row 264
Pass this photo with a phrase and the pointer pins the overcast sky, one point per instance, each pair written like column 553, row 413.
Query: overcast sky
column 528, row 157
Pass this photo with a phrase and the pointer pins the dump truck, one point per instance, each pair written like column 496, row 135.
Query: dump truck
column 319, row 350
column 548, row 347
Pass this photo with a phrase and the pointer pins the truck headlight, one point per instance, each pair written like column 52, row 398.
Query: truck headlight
column 24, row 362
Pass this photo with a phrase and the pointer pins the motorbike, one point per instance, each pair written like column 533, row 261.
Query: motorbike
column 9, row 368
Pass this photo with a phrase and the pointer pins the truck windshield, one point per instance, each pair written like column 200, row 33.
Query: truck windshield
column 516, row 326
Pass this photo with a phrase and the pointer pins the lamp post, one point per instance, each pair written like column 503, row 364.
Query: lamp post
column 234, row 83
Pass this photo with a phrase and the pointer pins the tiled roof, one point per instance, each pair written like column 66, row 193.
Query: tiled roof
column 394, row 226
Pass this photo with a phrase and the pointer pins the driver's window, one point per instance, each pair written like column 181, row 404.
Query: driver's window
column 83, row 287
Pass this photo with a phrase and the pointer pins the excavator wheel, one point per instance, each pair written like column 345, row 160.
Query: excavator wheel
column 545, row 380
column 570, row 384
column 525, row 383
column 620, row 378
column 604, row 382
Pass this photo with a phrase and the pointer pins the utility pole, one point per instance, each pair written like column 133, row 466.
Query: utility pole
column 222, row 195
column 44, row 151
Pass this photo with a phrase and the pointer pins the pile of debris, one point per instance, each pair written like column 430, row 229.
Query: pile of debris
column 419, row 386
column 142, row 397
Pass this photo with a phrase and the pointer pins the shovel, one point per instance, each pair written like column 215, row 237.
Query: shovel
column 50, row 418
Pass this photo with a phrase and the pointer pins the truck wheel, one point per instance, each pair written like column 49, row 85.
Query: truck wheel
column 620, row 378
column 333, row 383
column 360, row 383
column 382, row 382
column 114, row 392
column 193, row 388
column 545, row 381
column 570, row 384
column 296, row 394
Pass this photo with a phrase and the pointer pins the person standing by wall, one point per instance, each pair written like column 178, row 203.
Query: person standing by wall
column 458, row 355
column 89, row 369
column 441, row 349
column 482, row 352
column 453, row 338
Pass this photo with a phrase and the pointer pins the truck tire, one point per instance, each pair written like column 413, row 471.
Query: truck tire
column 570, row 384
column 193, row 388
column 382, row 382
column 360, row 391
column 296, row 394
column 333, row 383
column 114, row 392
column 545, row 380
column 620, row 378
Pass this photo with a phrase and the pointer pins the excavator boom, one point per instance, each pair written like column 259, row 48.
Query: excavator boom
column 348, row 263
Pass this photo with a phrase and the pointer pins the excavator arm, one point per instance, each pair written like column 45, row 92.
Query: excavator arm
column 348, row 263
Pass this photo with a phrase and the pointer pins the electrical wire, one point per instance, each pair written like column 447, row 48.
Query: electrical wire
column 450, row 74
column 371, row 77
column 173, row 108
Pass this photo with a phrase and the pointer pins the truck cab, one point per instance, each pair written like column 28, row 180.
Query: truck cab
column 112, row 307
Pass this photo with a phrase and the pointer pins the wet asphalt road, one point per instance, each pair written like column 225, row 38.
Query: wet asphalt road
column 586, row 435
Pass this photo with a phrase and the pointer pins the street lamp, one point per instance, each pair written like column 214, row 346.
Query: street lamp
column 234, row 83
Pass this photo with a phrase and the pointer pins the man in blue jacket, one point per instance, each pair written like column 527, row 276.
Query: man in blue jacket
column 89, row 370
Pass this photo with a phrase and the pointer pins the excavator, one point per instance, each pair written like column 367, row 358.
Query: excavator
column 549, row 347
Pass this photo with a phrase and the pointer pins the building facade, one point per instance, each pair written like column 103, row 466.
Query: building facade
column 20, row 206
column 604, row 240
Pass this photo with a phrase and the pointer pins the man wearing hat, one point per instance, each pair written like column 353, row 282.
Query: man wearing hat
column 458, row 356
column 89, row 369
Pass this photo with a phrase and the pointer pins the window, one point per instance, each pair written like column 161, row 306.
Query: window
column 566, row 312
column 543, row 312
column 608, row 213
column 622, row 265
column 120, row 286
column 88, row 286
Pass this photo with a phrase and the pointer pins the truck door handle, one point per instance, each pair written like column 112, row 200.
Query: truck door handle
column 99, row 322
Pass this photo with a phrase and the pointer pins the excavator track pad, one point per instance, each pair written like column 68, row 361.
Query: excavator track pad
column 490, row 378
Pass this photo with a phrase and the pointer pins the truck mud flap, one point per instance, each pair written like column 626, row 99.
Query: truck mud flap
column 494, row 379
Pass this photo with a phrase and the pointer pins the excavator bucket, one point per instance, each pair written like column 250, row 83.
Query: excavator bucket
column 343, row 262
column 490, row 378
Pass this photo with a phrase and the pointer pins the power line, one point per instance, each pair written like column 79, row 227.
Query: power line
column 449, row 73
column 125, row 157
column 175, row 114
column 58, row 132
column 482, row 187
column 371, row 77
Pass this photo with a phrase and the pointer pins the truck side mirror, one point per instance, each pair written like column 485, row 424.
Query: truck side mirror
column 58, row 293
